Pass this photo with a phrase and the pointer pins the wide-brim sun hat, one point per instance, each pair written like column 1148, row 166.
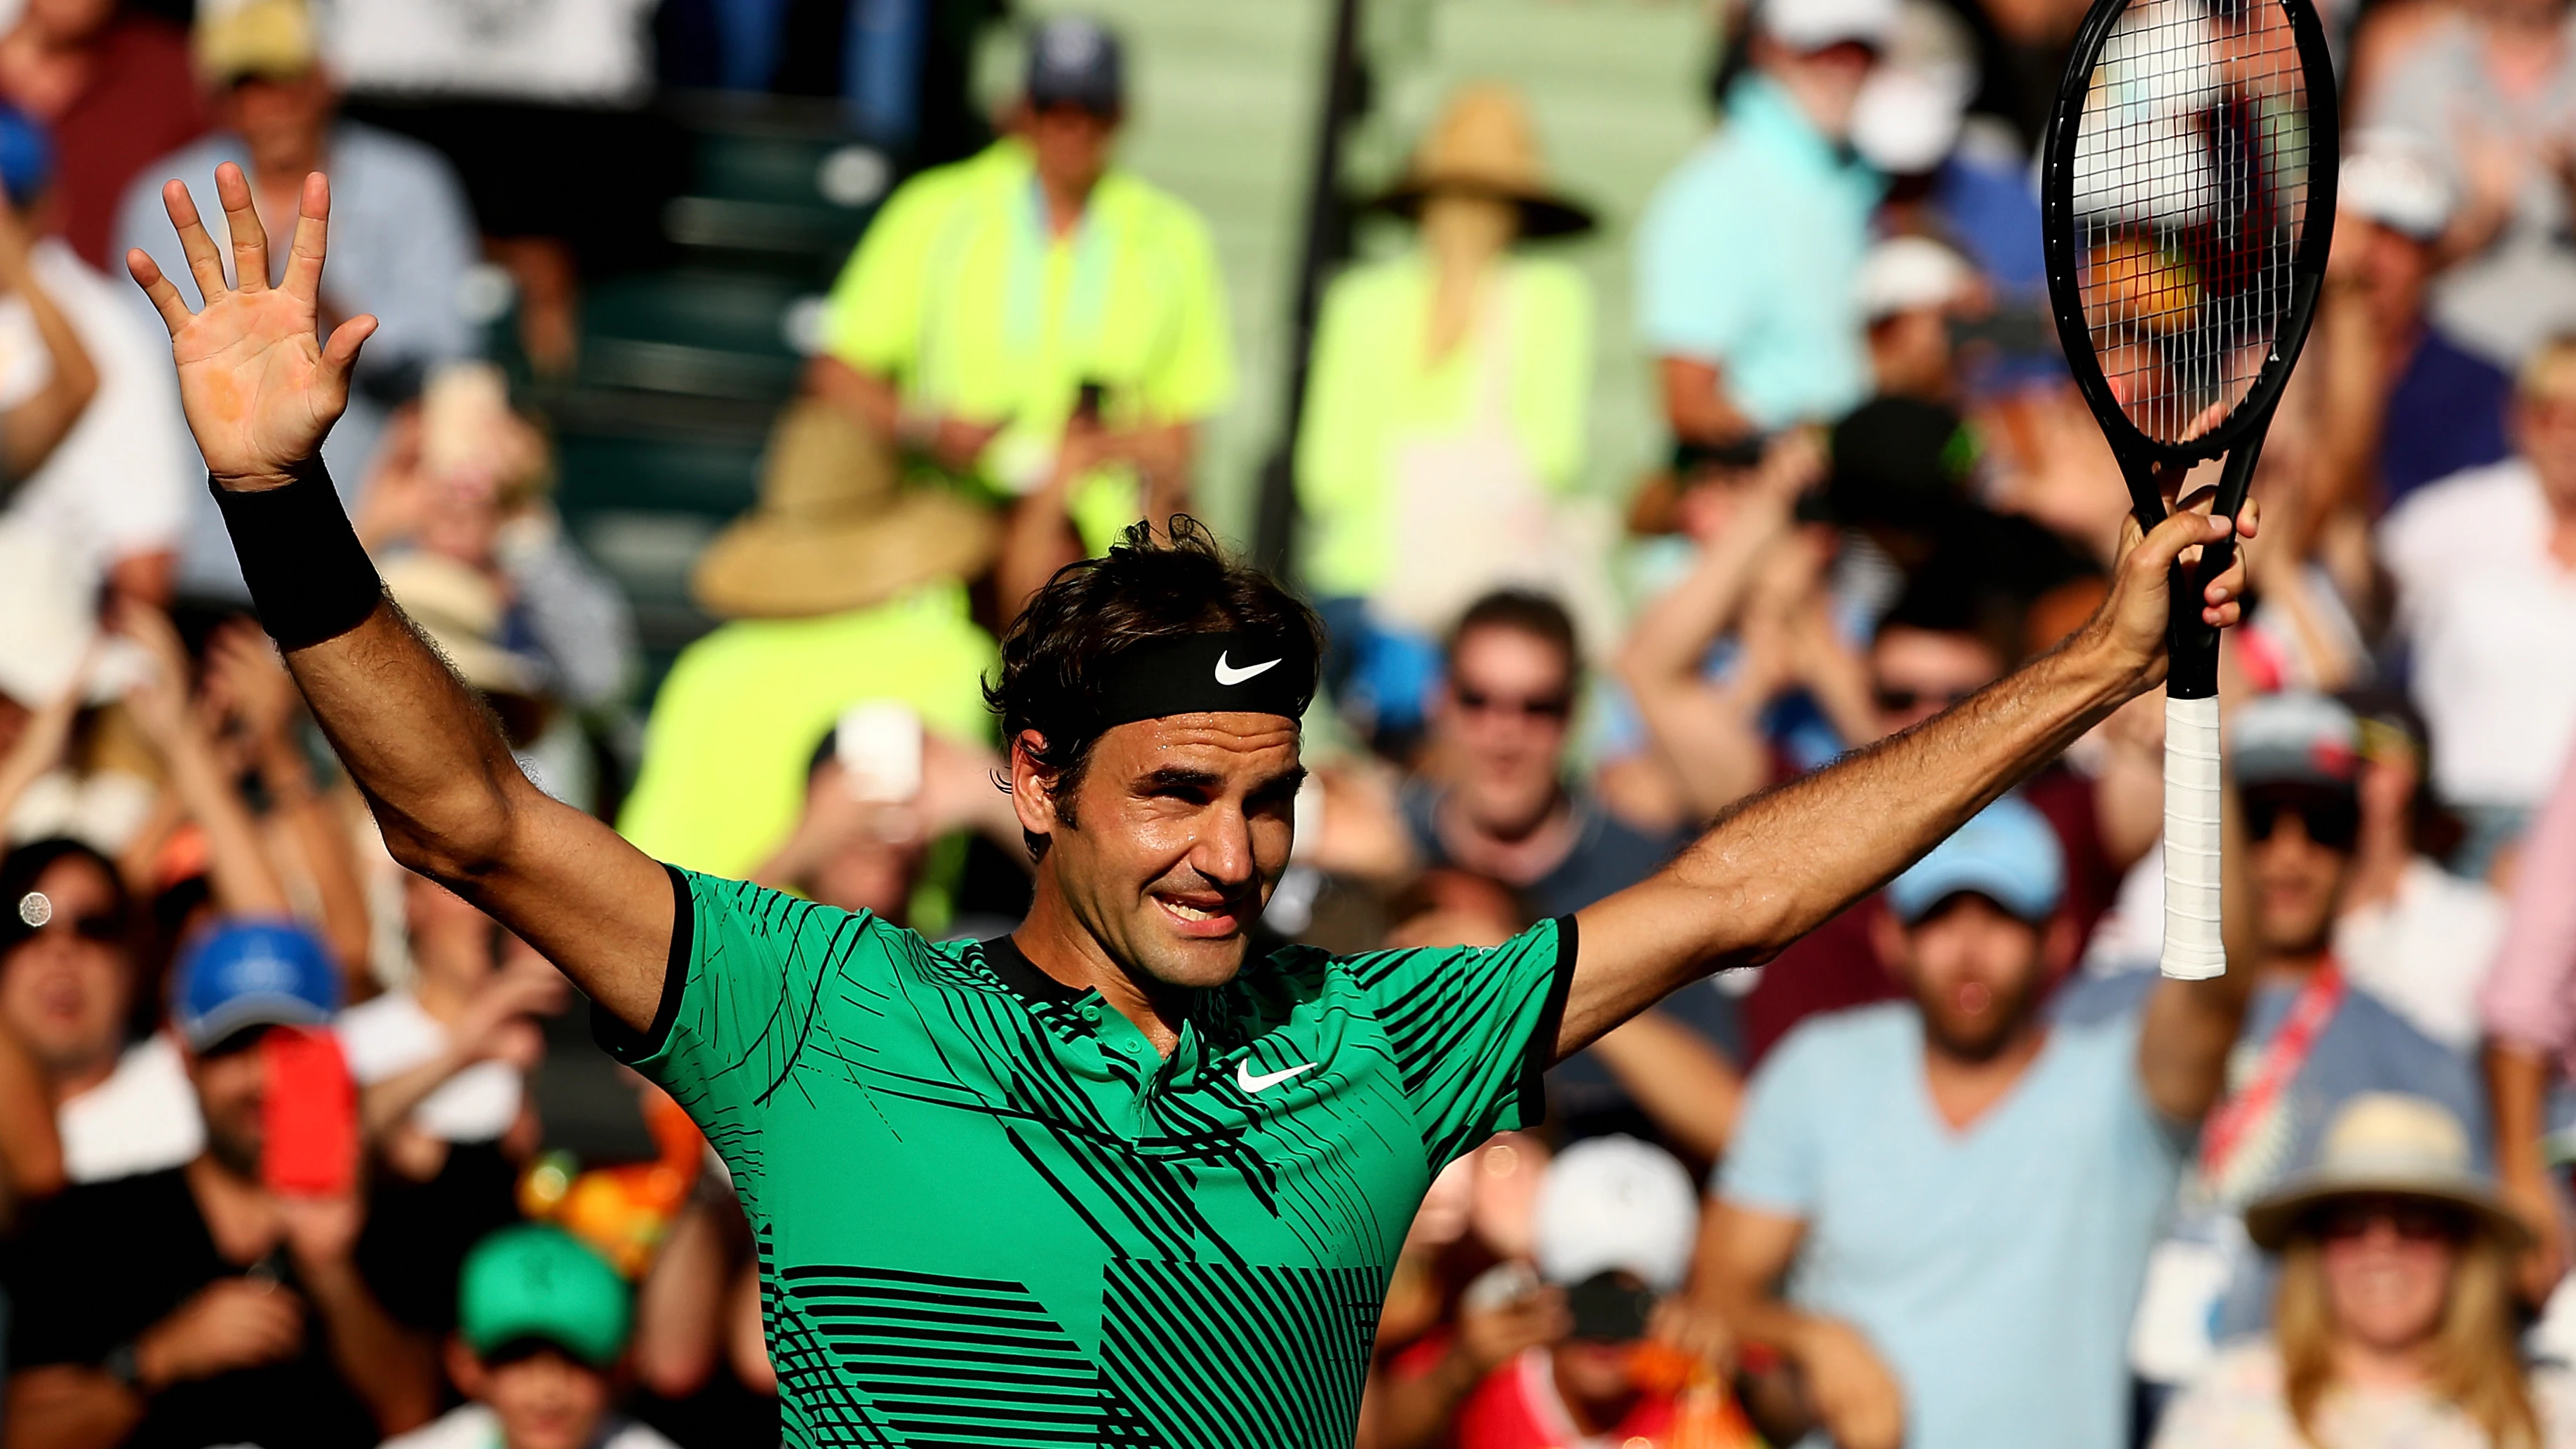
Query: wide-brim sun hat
column 1484, row 145
column 2387, row 1145
column 835, row 528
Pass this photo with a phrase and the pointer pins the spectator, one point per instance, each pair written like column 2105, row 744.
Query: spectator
column 1501, row 731
column 934, row 325
column 841, row 585
column 67, row 985
column 2395, row 1317
column 2411, row 933
column 1912, row 292
column 2420, row 406
column 113, row 492
column 52, row 399
column 1448, row 395
column 2485, row 566
column 1966, row 1192
column 114, row 87
column 196, row 1304
column 442, row 1061
column 401, row 237
column 1613, row 1231
column 2492, row 89
column 1748, row 255
column 2314, row 1037
column 541, row 1324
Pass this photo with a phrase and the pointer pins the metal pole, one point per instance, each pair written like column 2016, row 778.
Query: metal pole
column 1327, row 238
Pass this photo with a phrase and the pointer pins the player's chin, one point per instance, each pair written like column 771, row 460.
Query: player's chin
column 1195, row 948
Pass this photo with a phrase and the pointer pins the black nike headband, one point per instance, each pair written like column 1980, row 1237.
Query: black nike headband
column 1206, row 673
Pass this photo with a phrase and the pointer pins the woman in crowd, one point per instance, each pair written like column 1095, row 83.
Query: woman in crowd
column 2394, row 1323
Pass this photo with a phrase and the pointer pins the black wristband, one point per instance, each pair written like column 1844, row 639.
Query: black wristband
column 309, row 577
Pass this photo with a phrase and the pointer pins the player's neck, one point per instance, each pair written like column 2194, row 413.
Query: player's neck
column 1057, row 943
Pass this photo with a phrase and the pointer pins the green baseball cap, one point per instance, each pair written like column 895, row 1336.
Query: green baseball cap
column 540, row 1282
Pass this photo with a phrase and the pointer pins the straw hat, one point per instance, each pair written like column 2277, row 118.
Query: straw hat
column 2387, row 1144
column 461, row 610
column 1483, row 145
column 835, row 528
column 270, row 39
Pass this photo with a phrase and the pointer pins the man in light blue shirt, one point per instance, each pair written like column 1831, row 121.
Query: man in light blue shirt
column 1960, row 1193
column 1748, row 256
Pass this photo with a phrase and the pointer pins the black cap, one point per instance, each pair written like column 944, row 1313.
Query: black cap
column 1075, row 61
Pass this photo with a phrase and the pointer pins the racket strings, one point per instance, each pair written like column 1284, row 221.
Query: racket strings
column 2191, row 180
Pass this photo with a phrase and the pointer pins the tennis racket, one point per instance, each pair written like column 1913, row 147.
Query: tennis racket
column 2187, row 192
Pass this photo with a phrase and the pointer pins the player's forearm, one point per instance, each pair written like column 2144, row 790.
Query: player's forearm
column 1788, row 859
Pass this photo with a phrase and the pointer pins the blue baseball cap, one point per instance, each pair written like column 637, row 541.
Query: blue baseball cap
column 26, row 155
column 253, row 973
column 2007, row 854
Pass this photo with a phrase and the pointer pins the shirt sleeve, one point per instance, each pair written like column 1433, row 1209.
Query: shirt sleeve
column 1194, row 376
column 1473, row 1030
column 1693, row 297
column 2526, row 998
column 1773, row 1163
column 873, row 318
column 742, row 984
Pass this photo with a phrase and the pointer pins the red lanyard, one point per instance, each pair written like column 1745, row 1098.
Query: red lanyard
column 2281, row 1062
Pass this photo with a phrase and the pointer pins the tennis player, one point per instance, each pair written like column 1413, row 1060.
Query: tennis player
column 1104, row 1181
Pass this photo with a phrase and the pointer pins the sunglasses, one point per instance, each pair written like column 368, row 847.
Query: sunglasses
column 2412, row 1222
column 1898, row 701
column 1544, row 707
column 2327, row 819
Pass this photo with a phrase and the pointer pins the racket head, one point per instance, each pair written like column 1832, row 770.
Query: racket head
column 2187, row 202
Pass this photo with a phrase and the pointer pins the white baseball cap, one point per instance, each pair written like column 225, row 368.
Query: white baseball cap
column 1811, row 25
column 1615, row 1204
column 2394, row 178
column 1904, row 273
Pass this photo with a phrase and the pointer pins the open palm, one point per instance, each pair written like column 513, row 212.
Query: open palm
column 260, row 388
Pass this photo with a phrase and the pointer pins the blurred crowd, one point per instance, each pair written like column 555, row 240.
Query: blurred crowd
column 299, row 1149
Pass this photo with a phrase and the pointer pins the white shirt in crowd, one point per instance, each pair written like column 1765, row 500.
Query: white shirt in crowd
column 115, row 487
column 391, row 1035
column 143, row 1118
column 2425, row 952
column 2490, row 621
column 592, row 52
column 473, row 1426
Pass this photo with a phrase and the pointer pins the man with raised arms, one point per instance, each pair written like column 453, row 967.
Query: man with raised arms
column 1104, row 1181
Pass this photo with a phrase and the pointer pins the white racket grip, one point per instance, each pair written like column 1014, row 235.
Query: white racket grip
column 2193, row 949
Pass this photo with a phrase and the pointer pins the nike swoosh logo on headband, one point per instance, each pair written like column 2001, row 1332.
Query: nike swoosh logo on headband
column 1225, row 675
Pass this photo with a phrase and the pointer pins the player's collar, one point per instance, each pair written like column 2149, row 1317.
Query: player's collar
column 1007, row 961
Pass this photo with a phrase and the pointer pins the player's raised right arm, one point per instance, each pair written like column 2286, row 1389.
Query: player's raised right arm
column 261, row 391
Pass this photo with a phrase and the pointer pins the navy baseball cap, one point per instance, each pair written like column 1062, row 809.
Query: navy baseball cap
column 253, row 973
column 2008, row 854
column 1076, row 61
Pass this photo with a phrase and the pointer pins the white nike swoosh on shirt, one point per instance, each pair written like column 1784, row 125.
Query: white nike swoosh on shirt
column 1255, row 1085
column 1228, row 676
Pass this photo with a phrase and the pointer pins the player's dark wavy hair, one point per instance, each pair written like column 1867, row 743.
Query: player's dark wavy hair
column 1143, row 588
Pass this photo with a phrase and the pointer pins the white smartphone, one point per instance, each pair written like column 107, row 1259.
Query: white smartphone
column 878, row 743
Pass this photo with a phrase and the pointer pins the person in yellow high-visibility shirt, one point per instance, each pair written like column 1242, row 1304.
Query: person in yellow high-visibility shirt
column 1042, row 326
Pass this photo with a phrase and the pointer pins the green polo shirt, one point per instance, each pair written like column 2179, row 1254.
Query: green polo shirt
column 988, row 1213
column 960, row 291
